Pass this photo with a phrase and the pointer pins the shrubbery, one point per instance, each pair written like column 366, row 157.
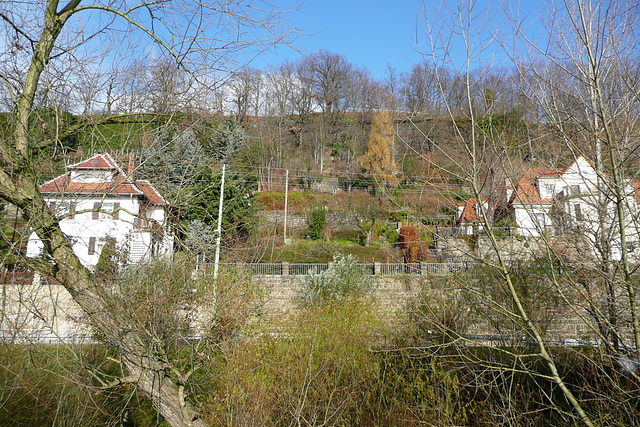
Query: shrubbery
column 316, row 222
column 343, row 280
column 338, row 360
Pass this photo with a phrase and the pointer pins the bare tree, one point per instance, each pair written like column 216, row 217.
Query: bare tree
column 392, row 87
column 168, row 87
column 39, row 30
column 329, row 74
column 476, row 156
column 420, row 89
column 245, row 93
column 281, row 86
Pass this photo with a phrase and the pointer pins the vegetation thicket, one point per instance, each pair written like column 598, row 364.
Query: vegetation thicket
column 335, row 360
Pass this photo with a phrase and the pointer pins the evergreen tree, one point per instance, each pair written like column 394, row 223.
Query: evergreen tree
column 171, row 163
column 227, row 140
column 239, row 213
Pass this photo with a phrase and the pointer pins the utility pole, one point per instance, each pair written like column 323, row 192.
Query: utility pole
column 219, row 229
column 286, row 205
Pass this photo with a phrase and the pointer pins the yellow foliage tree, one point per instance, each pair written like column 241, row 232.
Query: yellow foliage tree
column 378, row 159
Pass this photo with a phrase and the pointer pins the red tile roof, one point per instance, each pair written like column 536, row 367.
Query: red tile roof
column 120, row 185
column 63, row 185
column 636, row 188
column 469, row 213
column 151, row 193
column 527, row 190
column 99, row 161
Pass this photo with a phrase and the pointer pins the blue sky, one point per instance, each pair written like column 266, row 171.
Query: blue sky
column 370, row 33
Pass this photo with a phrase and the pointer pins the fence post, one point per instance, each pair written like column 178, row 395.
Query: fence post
column 423, row 268
column 285, row 268
column 377, row 268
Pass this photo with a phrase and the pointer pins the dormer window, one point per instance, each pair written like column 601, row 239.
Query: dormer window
column 91, row 176
column 548, row 191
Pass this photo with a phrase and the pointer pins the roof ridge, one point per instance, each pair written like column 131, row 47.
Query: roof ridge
column 105, row 157
column 119, row 184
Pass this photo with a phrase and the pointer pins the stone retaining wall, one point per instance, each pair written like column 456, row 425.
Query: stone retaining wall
column 297, row 221
column 46, row 313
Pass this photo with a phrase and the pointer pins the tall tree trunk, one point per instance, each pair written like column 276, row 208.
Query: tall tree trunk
column 19, row 186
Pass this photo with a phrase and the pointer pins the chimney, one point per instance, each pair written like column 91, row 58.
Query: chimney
column 131, row 168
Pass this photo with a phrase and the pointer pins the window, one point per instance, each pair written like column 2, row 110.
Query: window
column 548, row 190
column 107, row 209
column 478, row 209
column 540, row 219
column 574, row 190
column 577, row 209
column 63, row 209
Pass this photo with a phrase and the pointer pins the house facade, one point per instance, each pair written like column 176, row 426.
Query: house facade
column 575, row 201
column 98, row 203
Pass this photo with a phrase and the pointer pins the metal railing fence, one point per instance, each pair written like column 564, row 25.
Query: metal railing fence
column 372, row 269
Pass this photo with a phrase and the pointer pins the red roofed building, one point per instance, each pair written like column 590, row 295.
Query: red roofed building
column 97, row 201
column 575, row 200
column 469, row 215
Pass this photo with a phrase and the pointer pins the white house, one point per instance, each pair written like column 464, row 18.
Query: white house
column 96, row 201
column 575, row 201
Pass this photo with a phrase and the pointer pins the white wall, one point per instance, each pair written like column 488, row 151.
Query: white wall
column 81, row 228
column 581, row 175
column 527, row 222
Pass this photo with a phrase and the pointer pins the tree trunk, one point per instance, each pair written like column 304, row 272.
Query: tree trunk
column 167, row 397
column 115, row 329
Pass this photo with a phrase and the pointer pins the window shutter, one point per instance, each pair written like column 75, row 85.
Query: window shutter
column 96, row 207
column 116, row 210
column 72, row 210
column 92, row 246
column 578, row 211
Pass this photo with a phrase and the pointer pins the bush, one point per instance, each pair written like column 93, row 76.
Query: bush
column 390, row 234
column 319, row 372
column 327, row 366
column 343, row 280
column 44, row 385
column 316, row 222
